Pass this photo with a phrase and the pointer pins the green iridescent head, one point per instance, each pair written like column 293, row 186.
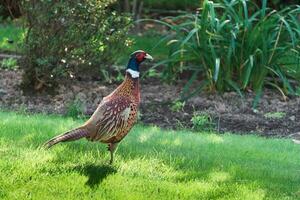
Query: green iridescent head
column 136, row 58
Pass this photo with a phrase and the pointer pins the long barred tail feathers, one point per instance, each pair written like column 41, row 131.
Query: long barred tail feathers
column 66, row 137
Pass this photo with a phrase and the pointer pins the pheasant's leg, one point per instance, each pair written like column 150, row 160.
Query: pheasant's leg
column 112, row 148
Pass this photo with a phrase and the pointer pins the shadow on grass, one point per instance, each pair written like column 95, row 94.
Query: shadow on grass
column 95, row 173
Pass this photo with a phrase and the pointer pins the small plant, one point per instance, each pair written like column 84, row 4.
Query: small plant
column 9, row 63
column 75, row 109
column 177, row 106
column 202, row 121
column 275, row 115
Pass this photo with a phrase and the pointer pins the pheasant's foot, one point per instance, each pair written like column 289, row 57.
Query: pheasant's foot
column 111, row 158
column 112, row 148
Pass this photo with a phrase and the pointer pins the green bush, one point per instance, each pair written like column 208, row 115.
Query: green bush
column 234, row 45
column 67, row 38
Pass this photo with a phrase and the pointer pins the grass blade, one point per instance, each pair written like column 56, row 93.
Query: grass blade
column 217, row 69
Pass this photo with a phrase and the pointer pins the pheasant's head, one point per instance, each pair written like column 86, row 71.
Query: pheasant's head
column 136, row 58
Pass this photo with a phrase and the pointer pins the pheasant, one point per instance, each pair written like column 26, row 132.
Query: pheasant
column 116, row 113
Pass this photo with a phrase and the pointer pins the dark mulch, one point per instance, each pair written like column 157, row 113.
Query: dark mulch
column 228, row 111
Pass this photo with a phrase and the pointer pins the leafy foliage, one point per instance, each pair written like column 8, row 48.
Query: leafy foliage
column 66, row 38
column 234, row 45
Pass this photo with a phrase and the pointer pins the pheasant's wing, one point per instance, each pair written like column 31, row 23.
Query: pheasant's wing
column 115, row 117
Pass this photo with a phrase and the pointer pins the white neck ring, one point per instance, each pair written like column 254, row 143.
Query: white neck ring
column 134, row 74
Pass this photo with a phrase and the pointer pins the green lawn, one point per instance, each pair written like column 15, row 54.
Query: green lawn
column 11, row 32
column 150, row 164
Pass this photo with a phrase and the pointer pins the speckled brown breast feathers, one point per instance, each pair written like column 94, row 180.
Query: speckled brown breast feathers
column 116, row 114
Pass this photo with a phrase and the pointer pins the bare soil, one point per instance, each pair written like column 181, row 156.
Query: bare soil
column 228, row 111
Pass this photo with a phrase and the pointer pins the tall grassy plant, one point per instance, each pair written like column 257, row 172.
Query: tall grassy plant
column 234, row 45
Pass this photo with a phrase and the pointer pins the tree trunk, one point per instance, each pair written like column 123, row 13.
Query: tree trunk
column 126, row 6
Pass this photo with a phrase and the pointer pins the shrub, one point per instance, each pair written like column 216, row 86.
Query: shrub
column 234, row 45
column 67, row 38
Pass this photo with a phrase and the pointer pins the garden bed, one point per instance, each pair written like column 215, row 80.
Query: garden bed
column 273, row 116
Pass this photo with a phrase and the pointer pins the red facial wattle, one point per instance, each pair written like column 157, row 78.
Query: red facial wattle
column 140, row 57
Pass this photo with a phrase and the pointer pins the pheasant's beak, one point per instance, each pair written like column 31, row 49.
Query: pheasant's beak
column 149, row 57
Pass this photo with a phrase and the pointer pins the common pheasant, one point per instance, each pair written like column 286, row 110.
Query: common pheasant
column 116, row 113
